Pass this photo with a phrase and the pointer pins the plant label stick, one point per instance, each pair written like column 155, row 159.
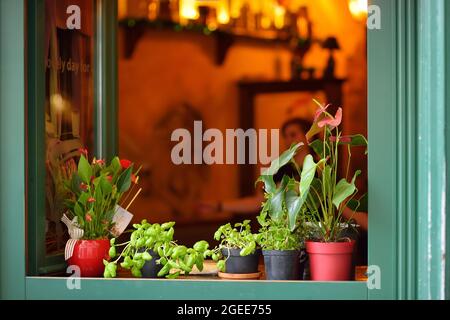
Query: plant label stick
column 121, row 220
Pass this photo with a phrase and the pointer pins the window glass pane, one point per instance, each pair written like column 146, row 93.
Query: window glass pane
column 69, row 44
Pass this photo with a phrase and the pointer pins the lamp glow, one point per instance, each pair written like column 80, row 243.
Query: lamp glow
column 188, row 10
column 358, row 9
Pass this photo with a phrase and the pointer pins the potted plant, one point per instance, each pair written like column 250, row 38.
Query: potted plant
column 282, row 230
column 329, row 249
column 237, row 254
column 94, row 191
column 151, row 252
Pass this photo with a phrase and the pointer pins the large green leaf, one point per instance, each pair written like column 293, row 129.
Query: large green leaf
column 294, row 204
column 269, row 184
column 75, row 184
column 284, row 159
column 357, row 140
column 344, row 189
column 277, row 199
column 317, row 146
column 124, row 181
column 84, row 170
column 105, row 185
column 308, row 173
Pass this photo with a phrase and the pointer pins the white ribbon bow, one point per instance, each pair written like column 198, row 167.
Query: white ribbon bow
column 75, row 233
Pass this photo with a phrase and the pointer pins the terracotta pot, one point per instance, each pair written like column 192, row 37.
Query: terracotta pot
column 330, row 261
column 88, row 255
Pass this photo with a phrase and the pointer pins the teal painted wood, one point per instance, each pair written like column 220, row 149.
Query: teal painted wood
column 383, row 152
column 12, row 149
column 106, row 79
column 447, row 110
column 39, row 262
column 145, row 289
column 431, row 157
column 406, row 149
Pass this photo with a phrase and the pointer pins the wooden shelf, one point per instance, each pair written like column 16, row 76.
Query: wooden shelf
column 134, row 29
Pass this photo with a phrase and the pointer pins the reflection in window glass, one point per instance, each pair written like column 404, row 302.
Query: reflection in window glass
column 69, row 105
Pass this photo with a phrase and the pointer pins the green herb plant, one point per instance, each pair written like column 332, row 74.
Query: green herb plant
column 282, row 213
column 154, row 241
column 238, row 237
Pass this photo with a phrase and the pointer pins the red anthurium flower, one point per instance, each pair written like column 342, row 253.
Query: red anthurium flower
column 90, row 200
column 125, row 163
column 343, row 139
column 134, row 178
column 83, row 186
column 100, row 162
column 109, row 178
column 332, row 122
column 88, row 217
column 83, row 151
column 320, row 111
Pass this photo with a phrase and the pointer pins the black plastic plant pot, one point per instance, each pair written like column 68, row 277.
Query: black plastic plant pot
column 237, row 264
column 151, row 268
column 283, row 264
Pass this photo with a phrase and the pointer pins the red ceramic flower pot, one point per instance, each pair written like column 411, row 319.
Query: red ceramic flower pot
column 330, row 261
column 88, row 255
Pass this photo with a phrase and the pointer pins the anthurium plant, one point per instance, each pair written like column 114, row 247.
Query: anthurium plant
column 94, row 190
column 330, row 195
column 285, row 204
column 238, row 237
column 155, row 241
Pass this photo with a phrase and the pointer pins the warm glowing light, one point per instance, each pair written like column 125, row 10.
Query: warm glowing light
column 358, row 9
column 235, row 8
column 278, row 15
column 122, row 9
column 265, row 22
column 223, row 16
column 188, row 10
column 57, row 102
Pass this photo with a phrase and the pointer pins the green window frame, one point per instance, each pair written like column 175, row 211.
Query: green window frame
column 407, row 157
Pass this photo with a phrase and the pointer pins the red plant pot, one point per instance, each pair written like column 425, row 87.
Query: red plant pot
column 88, row 255
column 330, row 261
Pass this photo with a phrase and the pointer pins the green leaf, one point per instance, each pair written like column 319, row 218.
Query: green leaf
column 167, row 225
column 112, row 252
column 317, row 146
column 124, row 181
column 146, row 256
column 75, row 184
column 173, row 275
column 307, row 176
column 84, row 170
column 294, row 204
column 199, row 262
column 78, row 210
column 285, row 158
column 201, row 246
column 327, row 173
column 276, row 204
column 105, row 185
column 136, row 272
column 115, row 165
column 344, row 189
column 221, row 265
column 249, row 249
column 269, row 184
